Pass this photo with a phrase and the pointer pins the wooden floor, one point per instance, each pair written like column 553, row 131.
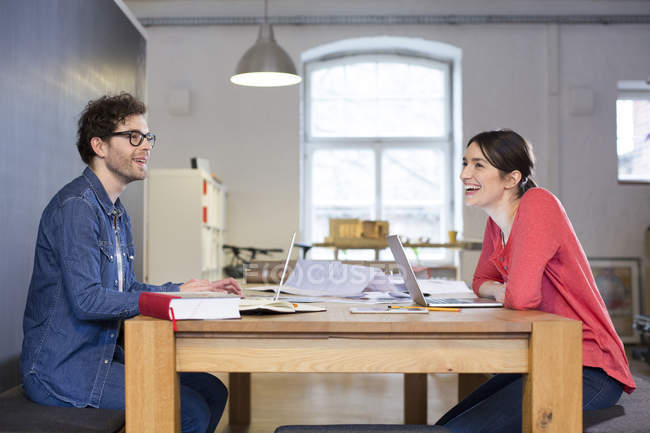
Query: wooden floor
column 280, row 399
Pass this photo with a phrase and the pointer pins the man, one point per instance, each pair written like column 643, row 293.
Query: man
column 83, row 284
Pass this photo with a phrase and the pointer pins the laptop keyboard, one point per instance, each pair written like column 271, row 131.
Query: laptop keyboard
column 449, row 301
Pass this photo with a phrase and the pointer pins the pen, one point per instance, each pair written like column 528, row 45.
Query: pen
column 451, row 309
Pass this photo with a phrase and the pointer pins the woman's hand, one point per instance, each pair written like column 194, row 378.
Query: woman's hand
column 493, row 289
column 229, row 285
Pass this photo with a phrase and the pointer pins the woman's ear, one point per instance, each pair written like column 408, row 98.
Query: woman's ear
column 98, row 146
column 512, row 179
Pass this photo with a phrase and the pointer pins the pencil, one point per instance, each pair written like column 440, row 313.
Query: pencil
column 451, row 309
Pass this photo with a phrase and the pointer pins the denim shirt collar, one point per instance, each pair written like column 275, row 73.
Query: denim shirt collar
column 101, row 194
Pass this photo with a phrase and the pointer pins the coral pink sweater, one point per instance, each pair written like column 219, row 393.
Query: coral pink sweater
column 545, row 268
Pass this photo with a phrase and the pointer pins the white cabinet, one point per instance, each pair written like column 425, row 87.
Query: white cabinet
column 185, row 220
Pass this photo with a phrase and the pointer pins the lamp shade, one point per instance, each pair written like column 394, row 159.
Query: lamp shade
column 265, row 64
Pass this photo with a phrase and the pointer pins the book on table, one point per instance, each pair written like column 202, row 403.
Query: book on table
column 189, row 305
column 212, row 305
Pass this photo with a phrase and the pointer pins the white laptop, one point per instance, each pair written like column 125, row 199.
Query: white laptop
column 416, row 292
column 284, row 270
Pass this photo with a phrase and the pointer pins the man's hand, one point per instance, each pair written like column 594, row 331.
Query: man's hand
column 229, row 285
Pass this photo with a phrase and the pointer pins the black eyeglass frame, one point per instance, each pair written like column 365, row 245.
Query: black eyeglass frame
column 150, row 136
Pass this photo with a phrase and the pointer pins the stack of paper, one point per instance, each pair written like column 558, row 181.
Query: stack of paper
column 328, row 278
column 440, row 288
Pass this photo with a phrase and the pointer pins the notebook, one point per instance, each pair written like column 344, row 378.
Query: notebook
column 416, row 292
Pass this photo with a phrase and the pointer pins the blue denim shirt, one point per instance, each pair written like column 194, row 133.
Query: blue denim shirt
column 74, row 307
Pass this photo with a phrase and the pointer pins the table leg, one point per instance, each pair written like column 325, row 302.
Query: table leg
column 468, row 382
column 240, row 398
column 553, row 387
column 415, row 398
column 151, row 383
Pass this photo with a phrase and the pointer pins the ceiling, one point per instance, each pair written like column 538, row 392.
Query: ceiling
column 287, row 8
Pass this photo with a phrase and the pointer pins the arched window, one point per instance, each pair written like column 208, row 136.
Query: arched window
column 378, row 143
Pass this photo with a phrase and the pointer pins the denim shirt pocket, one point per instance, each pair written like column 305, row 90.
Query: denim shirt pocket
column 108, row 266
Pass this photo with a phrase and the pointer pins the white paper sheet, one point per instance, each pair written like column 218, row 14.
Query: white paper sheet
column 330, row 278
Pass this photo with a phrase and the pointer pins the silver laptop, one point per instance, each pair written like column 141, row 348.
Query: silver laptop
column 416, row 292
column 284, row 270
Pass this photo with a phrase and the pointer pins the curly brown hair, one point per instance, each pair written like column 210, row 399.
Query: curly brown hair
column 101, row 117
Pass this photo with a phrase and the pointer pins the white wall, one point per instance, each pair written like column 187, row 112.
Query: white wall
column 516, row 76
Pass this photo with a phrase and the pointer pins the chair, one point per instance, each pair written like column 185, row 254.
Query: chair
column 18, row 414
column 630, row 415
column 362, row 428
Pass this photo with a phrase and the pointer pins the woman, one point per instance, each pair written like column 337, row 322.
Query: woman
column 532, row 259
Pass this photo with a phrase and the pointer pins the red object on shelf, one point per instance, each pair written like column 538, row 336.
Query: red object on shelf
column 205, row 214
column 205, row 187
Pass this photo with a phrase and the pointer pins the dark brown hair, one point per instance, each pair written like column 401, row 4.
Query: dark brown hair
column 508, row 151
column 101, row 117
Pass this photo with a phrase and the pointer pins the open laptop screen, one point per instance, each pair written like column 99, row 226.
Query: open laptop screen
column 414, row 289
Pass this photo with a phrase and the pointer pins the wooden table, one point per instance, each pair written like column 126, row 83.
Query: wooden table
column 546, row 348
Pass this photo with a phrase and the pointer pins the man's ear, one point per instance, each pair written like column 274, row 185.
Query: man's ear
column 512, row 179
column 98, row 146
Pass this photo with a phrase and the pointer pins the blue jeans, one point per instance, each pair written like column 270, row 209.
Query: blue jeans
column 495, row 406
column 203, row 397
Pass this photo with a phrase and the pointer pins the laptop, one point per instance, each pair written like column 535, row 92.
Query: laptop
column 416, row 292
column 284, row 270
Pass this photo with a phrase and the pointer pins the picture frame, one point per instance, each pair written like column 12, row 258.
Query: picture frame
column 619, row 282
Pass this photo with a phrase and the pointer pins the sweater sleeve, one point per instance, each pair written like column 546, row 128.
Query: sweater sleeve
column 485, row 269
column 541, row 222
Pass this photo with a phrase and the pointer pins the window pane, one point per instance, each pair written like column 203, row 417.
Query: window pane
column 633, row 139
column 361, row 80
column 417, row 223
column 327, row 117
column 413, row 185
column 387, row 97
column 359, row 118
column 343, row 177
column 327, row 82
column 391, row 97
column 410, row 118
column 413, row 176
column 342, row 187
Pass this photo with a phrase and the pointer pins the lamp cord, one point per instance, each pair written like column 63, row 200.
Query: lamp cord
column 266, row 5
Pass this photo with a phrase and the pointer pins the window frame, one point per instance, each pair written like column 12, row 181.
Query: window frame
column 630, row 90
column 447, row 142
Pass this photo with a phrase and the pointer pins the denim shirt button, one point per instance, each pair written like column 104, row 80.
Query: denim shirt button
column 106, row 361
column 111, row 257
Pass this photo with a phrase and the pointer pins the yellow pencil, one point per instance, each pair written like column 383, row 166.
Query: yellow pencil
column 451, row 309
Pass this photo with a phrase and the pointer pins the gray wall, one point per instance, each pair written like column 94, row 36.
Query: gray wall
column 54, row 57
column 519, row 76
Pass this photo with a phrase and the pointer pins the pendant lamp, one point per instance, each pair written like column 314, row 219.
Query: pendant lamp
column 265, row 64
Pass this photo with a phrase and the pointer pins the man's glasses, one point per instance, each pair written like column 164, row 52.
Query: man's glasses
column 136, row 137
